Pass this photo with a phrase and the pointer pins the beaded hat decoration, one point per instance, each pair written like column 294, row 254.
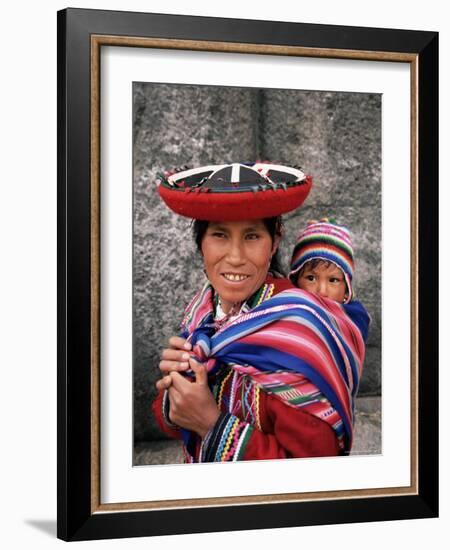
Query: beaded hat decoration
column 324, row 240
column 233, row 192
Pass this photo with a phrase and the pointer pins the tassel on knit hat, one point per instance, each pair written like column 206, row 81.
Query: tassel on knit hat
column 324, row 240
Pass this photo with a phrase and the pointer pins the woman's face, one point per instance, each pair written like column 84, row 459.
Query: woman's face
column 236, row 257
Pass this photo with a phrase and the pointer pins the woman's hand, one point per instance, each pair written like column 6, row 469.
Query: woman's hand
column 192, row 405
column 175, row 358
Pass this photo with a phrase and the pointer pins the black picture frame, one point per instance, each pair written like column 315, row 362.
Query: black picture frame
column 81, row 34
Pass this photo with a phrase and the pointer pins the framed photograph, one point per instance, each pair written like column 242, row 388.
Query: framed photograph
column 145, row 97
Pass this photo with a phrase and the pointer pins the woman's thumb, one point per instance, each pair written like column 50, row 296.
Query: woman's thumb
column 201, row 376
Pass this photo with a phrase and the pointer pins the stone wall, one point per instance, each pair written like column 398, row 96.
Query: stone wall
column 334, row 136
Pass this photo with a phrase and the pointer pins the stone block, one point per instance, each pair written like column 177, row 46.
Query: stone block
column 336, row 136
column 370, row 384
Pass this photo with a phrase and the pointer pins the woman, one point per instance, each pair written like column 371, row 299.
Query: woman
column 258, row 371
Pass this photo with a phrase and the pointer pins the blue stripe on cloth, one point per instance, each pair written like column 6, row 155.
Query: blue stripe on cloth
column 295, row 296
column 358, row 314
column 222, row 341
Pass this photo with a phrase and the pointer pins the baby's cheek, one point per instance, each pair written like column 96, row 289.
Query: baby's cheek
column 302, row 284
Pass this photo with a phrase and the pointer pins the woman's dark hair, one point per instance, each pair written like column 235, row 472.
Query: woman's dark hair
column 273, row 225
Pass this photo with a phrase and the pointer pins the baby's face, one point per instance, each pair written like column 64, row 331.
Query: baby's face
column 326, row 280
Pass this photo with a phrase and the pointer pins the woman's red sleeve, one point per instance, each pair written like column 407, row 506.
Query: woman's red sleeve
column 287, row 432
column 160, row 411
column 293, row 433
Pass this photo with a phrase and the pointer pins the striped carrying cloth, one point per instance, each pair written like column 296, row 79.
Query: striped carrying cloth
column 306, row 350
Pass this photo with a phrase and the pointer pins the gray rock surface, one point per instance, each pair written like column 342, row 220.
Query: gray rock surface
column 158, row 453
column 336, row 137
column 367, row 429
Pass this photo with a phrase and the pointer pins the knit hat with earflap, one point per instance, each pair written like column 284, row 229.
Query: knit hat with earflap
column 324, row 240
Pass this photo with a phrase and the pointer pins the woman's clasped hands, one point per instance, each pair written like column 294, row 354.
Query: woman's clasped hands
column 192, row 405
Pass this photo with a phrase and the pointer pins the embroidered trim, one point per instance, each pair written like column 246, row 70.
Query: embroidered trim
column 246, row 405
column 257, row 410
column 226, row 441
column 233, row 392
column 243, row 443
column 222, row 387
column 241, row 398
column 263, row 294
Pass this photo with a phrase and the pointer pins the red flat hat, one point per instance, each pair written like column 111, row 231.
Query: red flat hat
column 233, row 192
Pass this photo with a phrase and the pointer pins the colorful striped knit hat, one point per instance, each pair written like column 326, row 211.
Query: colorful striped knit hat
column 324, row 240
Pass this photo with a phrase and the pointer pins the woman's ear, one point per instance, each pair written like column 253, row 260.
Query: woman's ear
column 276, row 243
column 279, row 233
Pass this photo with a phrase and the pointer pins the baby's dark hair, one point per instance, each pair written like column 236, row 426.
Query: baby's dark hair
column 273, row 225
column 312, row 264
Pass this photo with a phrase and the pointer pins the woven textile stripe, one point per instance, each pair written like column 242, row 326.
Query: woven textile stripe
column 305, row 350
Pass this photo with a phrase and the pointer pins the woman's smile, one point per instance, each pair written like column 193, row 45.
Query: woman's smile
column 235, row 277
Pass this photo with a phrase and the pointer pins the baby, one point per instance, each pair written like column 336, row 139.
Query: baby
column 322, row 260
